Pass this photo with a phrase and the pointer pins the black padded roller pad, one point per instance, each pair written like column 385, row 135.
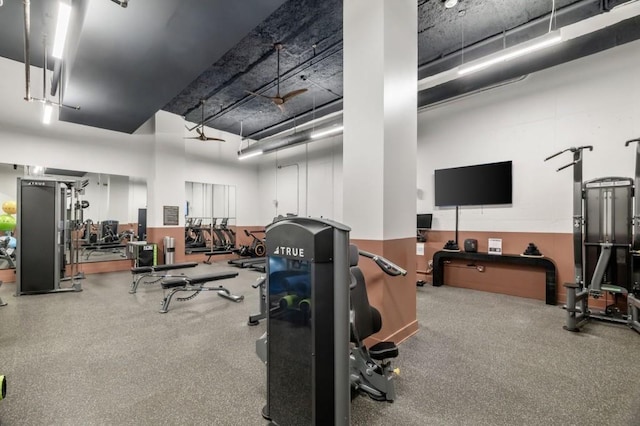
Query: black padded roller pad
column 157, row 268
column 201, row 279
column 383, row 350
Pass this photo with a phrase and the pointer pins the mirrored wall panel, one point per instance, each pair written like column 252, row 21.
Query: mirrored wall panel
column 210, row 212
column 100, row 211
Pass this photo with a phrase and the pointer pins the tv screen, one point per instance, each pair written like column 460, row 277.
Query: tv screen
column 482, row 184
column 424, row 221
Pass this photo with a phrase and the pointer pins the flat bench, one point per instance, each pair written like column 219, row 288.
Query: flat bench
column 158, row 271
column 195, row 284
column 540, row 262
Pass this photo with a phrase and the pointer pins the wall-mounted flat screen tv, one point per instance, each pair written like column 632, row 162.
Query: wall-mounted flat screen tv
column 424, row 221
column 478, row 185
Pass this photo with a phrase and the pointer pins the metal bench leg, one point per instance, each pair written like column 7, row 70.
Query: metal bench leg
column 223, row 292
column 136, row 281
column 167, row 300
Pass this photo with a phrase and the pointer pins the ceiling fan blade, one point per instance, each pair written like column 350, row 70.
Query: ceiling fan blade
column 281, row 107
column 192, row 137
column 199, row 131
column 258, row 94
column 215, row 139
column 292, row 94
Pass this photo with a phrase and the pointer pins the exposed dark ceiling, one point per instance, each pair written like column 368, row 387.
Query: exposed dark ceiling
column 124, row 64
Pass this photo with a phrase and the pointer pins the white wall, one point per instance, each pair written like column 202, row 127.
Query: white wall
column 8, row 183
column 308, row 182
column 591, row 101
column 25, row 140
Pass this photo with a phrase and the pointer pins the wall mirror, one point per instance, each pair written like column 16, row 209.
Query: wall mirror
column 100, row 230
column 210, row 217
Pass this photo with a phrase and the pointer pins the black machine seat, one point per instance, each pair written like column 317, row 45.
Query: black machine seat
column 201, row 279
column 158, row 268
column 383, row 350
column 367, row 319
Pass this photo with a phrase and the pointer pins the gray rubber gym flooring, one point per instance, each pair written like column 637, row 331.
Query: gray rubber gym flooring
column 105, row 357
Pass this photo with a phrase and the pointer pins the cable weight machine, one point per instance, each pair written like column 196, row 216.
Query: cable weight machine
column 606, row 245
column 46, row 219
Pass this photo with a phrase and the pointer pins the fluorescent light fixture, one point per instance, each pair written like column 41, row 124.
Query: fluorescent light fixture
column 450, row 3
column 36, row 171
column 46, row 113
column 327, row 132
column 249, row 154
column 64, row 13
column 511, row 53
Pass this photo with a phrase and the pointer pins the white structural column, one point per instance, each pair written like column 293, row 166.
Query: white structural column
column 380, row 118
column 166, row 180
column 379, row 150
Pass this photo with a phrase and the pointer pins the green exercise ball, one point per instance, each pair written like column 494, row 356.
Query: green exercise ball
column 7, row 223
column 3, row 387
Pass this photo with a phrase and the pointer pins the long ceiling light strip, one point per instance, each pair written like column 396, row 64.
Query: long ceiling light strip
column 64, row 15
column 244, row 156
column 47, row 111
column 327, row 132
column 510, row 54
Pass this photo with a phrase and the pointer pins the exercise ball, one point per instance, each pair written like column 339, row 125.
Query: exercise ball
column 7, row 223
column 9, row 207
column 3, row 387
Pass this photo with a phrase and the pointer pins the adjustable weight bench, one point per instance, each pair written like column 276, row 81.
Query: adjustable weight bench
column 158, row 271
column 195, row 284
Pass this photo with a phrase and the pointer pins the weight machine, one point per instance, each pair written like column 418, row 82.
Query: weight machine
column 606, row 245
column 318, row 315
column 45, row 221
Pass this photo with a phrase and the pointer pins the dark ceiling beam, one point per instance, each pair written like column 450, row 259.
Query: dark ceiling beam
column 567, row 15
column 329, row 52
column 589, row 44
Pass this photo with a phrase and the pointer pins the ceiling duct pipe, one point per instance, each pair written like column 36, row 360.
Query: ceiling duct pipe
column 27, row 63
column 304, row 136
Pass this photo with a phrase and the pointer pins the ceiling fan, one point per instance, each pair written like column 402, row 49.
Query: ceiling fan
column 200, row 129
column 279, row 100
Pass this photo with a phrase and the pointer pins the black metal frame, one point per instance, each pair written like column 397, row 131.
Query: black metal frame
column 538, row 262
column 606, row 248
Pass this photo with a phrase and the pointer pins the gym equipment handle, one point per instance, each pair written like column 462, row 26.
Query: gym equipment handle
column 573, row 163
column 387, row 266
column 629, row 142
column 572, row 149
column 259, row 283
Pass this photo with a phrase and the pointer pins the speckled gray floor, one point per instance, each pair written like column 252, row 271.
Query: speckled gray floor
column 105, row 357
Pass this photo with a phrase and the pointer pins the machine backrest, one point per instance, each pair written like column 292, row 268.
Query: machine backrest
column 367, row 318
column 353, row 255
